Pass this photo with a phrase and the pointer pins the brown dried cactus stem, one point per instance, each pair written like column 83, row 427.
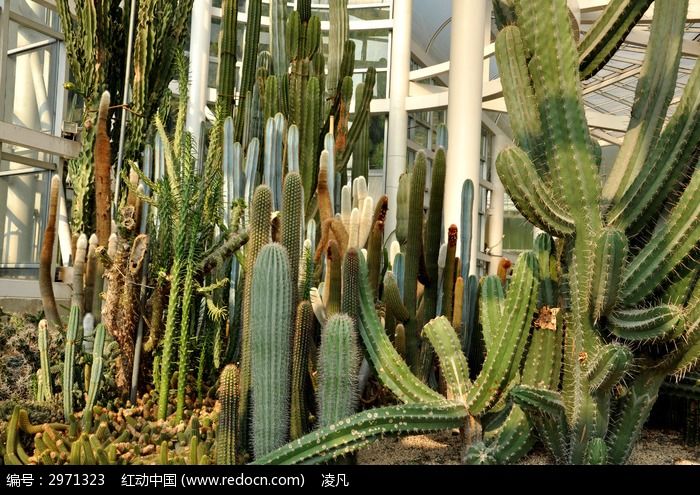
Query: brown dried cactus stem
column 45, row 279
column 103, row 160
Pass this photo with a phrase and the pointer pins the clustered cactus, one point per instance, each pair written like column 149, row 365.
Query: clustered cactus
column 268, row 265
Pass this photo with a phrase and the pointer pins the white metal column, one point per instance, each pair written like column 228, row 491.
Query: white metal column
column 199, row 68
column 464, row 111
column 398, row 116
column 495, row 214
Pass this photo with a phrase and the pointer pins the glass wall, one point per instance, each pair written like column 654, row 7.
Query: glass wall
column 30, row 98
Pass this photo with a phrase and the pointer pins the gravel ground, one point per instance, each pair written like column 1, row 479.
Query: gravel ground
column 655, row 447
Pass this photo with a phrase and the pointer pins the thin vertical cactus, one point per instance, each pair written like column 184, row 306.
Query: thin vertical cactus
column 413, row 252
column 303, row 331
column 103, row 165
column 226, row 432
column 338, row 34
column 278, row 49
column 45, row 261
column 251, row 46
column 270, row 320
column 259, row 232
column 338, row 367
column 45, row 392
column 433, row 231
column 226, row 70
column 96, row 369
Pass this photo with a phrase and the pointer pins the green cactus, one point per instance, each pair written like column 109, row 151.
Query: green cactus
column 301, row 339
column 259, row 231
column 97, row 366
column 433, row 233
column 414, row 249
column 226, row 431
column 226, row 70
column 270, row 321
column 251, row 46
column 612, row 291
column 338, row 366
column 45, row 392
column 337, row 36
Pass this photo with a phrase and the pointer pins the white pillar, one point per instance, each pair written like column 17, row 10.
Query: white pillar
column 199, row 68
column 398, row 117
column 464, row 112
column 495, row 214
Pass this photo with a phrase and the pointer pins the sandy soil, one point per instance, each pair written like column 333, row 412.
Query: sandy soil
column 655, row 447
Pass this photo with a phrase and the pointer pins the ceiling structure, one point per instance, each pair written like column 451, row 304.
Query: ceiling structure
column 608, row 96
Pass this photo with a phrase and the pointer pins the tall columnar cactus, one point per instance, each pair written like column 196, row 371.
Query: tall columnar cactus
column 226, row 70
column 250, row 47
column 433, row 231
column 414, row 243
column 103, row 165
column 617, row 276
column 226, row 432
column 337, row 35
column 46, row 257
column 270, row 321
column 301, row 340
column 338, row 366
column 259, row 231
column 97, row 366
column 45, row 392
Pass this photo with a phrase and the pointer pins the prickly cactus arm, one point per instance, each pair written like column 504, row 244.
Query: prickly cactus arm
column 226, row 431
column 609, row 262
column 402, row 200
column 218, row 257
column 45, row 278
column 392, row 298
column 635, row 409
column 491, row 310
column 658, row 78
column 292, row 201
column 533, row 198
column 448, row 279
column 259, row 232
column 97, row 366
column 547, row 33
column 174, row 295
column 338, row 366
column 90, row 275
column 359, row 430
column 608, row 367
column 69, row 360
column 518, row 93
column 226, row 70
column 647, row 324
column 503, row 361
column 311, row 118
column 338, row 33
column 278, row 48
column 103, row 165
column 333, row 284
column 392, row 369
column 671, row 245
column 350, row 299
column 413, row 251
column 433, row 233
column 375, row 254
column 303, row 331
column 452, row 361
column 665, row 167
column 325, row 206
column 607, row 34
column 252, row 40
column 46, row 390
column 359, row 121
column 270, row 321
column 506, row 445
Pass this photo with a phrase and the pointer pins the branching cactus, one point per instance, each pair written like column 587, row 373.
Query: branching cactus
column 424, row 409
column 624, row 263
